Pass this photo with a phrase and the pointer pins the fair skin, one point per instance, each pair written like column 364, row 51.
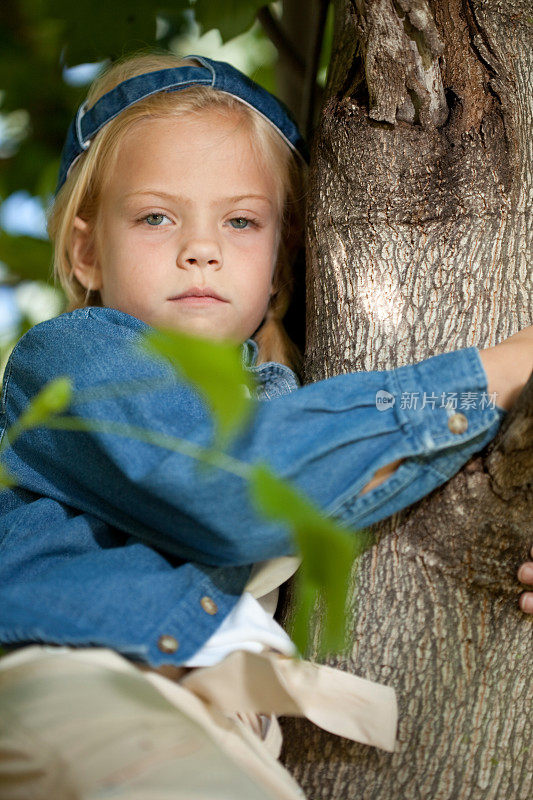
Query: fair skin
column 190, row 209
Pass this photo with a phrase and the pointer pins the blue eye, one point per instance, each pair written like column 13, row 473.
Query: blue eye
column 154, row 220
column 247, row 222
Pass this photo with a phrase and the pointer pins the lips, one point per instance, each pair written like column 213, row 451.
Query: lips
column 195, row 291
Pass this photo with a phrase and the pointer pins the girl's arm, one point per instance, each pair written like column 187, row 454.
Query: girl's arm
column 329, row 438
column 508, row 366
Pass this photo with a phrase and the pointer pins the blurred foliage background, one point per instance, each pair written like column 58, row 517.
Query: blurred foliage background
column 50, row 50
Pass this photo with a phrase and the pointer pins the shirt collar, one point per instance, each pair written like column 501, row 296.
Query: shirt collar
column 250, row 351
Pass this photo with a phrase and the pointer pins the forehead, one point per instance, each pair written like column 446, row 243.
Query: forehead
column 200, row 152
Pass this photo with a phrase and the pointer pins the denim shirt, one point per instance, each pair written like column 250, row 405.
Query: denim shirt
column 112, row 542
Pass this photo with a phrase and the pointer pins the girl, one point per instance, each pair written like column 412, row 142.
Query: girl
column 144, row 644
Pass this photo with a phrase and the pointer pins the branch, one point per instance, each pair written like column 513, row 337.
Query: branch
column 274, row 32
column 311, row 88
column 400, row 55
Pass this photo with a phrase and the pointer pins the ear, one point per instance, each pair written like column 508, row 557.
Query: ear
column 83, row 255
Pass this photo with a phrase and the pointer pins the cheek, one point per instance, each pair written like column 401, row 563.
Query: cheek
column 260, row 296
column 251, row 293
column 128, row 260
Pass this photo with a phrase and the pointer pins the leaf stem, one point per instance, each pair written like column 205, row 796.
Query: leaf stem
column 207, row 456
column 121, row 388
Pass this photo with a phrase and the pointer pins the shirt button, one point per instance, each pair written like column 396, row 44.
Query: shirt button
column 458, row 423
column 208, row 605
column 167, row 644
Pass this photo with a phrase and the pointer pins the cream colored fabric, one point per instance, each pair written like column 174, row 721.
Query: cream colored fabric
column 334, row 700
column 77, row 723
column 269, row 575
column 341, row 703
column 84, row 724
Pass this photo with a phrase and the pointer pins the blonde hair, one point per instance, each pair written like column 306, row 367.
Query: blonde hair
column 86, row 179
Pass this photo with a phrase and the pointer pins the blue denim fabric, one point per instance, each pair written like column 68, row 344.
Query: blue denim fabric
column 112, row 542
column 216, row 74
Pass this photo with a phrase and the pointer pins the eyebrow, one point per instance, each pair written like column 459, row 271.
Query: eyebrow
column 186, row 201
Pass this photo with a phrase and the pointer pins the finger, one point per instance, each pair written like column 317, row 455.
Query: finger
column 525, row 573
column 526, row 602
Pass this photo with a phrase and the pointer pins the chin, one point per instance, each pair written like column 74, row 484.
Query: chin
column 202, row 331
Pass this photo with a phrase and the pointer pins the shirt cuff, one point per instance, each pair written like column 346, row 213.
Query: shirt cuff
column 444, row 400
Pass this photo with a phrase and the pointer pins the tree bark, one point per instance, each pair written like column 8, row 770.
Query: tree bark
column 419, row 235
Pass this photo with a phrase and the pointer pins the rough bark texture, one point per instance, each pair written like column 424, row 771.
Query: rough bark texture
column 419, row 236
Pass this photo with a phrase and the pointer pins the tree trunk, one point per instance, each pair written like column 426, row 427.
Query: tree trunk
column 419, row 234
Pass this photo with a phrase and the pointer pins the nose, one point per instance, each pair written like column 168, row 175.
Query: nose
column 199, row 252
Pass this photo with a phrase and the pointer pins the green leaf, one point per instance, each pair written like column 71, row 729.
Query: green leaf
column 25, row 256
column 230, row 17
column 6, row 479
column 328, row 551
column 96, row 29
column 327, row 44
column 52, row 399
column 215, row 370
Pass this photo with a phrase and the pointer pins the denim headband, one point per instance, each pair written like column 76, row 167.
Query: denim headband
column 217, row 74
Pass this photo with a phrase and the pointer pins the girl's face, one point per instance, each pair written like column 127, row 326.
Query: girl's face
column 187, row 228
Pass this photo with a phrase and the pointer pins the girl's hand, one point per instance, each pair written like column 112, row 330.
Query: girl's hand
column 525, row 575
column 508, row 366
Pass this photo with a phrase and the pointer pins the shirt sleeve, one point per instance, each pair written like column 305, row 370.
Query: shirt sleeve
column 328, row 438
